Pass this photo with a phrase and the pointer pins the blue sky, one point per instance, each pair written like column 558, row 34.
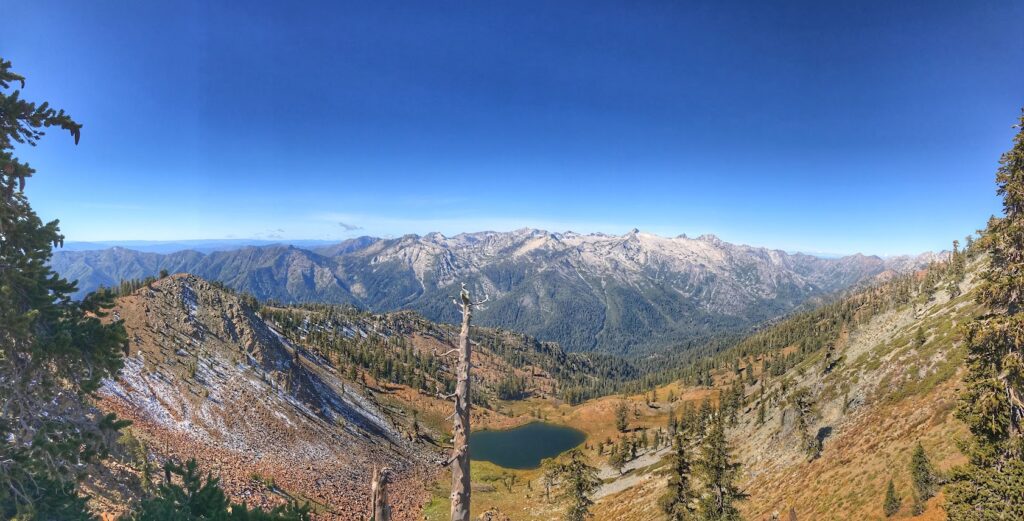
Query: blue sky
column 815, row 126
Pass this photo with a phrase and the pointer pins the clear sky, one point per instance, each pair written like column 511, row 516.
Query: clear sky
column 816, row 126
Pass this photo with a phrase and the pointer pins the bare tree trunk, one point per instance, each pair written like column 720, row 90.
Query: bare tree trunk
column 379, row 508
column 460, row 430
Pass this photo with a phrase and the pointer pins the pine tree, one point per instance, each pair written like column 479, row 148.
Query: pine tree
column 617, row 458
column 621, row 417
column 550, row 475
column 922, row 474
column 677, row 502
column 579, row 482
column 718, row 475
column 892, row 501
column 703, row 417
column 992, row 403
column 830, row 354
column 806, row 416
column 186, row 496
column 53, row 351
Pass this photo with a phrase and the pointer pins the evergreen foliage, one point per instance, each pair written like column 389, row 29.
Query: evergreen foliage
column 53, row 351
column 892, row 500
column 617, row 457
column 579, row 481
column 376, row 344
column 186, row 496
column 718, row 475
column 678, row 501
column 991, row 485
column 511, row 387
column 922, row 474
column 806, row 415
column 621, row 417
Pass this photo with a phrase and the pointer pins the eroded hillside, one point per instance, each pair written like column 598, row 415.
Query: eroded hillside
column 304, row 402
column 205, row 377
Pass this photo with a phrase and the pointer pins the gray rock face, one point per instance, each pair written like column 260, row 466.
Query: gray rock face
column 620, row 294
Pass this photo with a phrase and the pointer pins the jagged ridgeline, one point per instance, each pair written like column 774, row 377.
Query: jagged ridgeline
column 635, row 293
column 783, row 344
column 401, row 347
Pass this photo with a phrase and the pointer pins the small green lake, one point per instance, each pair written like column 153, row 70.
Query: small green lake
column 525, row 446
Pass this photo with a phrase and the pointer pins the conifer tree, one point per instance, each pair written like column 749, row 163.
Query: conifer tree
column 806, row 415
column 892, row 501
column 992, row 404
column 185, row 495
column 617, row 457
column 922, row 474
column 703, row 417
column 579, row 482
column 718, row 475
column 621, row 417
column 550, row 475
column 677, row 502
column 53, row 351
column 830, row 354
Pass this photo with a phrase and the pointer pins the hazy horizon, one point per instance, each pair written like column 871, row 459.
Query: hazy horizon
column 218, row 244
column 872, row 127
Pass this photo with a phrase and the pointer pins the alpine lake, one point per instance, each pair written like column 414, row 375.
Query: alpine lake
column 525, row 446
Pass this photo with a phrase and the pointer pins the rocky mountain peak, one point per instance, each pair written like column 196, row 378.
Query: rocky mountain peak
column 584, row 291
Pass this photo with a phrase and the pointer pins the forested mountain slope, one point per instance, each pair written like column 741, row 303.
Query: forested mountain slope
column 304, row 402
column 620, row 294
column 827, row 407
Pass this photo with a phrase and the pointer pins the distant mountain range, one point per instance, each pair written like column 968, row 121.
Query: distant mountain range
column 200, row 245
column 611, row 293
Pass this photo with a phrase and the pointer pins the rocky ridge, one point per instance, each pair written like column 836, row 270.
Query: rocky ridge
column 206, row 377
column 614, row 293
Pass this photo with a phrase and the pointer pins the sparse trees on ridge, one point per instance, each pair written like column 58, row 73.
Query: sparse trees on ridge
column 992, row 402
